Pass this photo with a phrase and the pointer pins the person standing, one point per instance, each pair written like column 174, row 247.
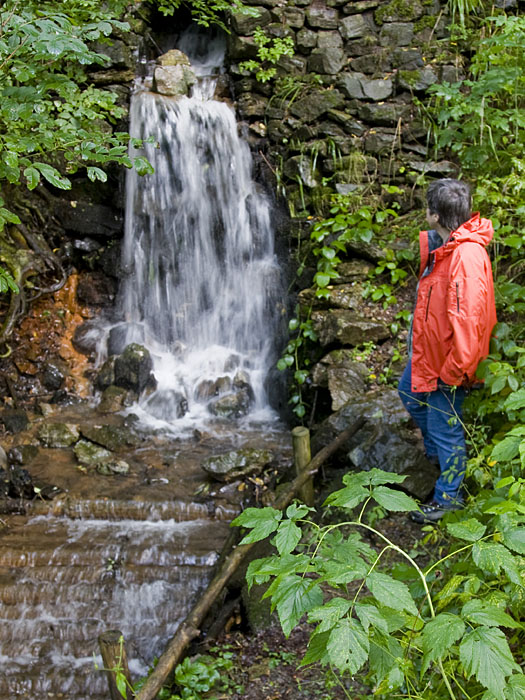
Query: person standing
column 454, row 315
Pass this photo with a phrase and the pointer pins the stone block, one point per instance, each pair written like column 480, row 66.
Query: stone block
column 384, row 114
column 329, row 40
column 330, row 60
column 306, row 39
column 407, row 58
column 316, row 103
column 373, row 63
column 357, row 8
column 292, row 16
column 319, row 16
column 399, row 11
column 380, row 141
column 252, row 105
column 396, row 34
column 174, row 80
column 347, row 327
column 418, row 80
column 354, row 27
column 246, row 25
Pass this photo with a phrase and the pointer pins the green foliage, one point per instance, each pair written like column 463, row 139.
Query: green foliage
column 269, row 51
column 52, row 121
column 197, row 676
column 436, row 631
column 204, row 12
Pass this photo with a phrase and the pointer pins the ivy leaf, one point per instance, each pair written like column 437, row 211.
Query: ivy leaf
column 391, row 593
column 393, row 500
column 492, row 557
column 264, row 521
column 370, row 615
column 329, row 614
column 483, row 613
column 470, row 530
column 287, row 537
column 484, row 653
column 438, row 636
column 293, row 597
column 348, row 646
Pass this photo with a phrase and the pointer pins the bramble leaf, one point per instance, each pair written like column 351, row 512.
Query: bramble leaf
column 370, row 616
column 492, row 557
column 293, row 597
column 329, row 614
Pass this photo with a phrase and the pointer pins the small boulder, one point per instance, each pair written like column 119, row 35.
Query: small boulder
column 58, row 434
column 133, row 368
column 237, row 464
column 15, row 420
column 168, row 405
column 90, row 454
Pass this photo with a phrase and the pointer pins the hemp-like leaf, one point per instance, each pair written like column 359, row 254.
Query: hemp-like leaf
column 293, row 597
column 390, row 592
column 492, row 557
column 483, row 613
column 264, row 521
column 348, row 646
column 287, row 537
column 438, row 636
column 484, row 653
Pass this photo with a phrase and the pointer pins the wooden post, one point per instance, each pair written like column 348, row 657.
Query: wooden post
column 302, row 458
column 114, row 659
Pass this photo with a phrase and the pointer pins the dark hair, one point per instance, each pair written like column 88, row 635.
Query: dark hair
column 450, row 200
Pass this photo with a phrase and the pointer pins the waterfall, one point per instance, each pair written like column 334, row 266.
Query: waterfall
column 202, row 287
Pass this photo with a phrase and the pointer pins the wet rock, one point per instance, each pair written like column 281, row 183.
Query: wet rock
column 168, row 405
column 290, row 16
column 3, row 458
column 341, row 375
column 115, row 398
column 122, row 335
column 88, row 218
column 53, row 376
column 133, row 368
column 15, row 420
column 106, row 374
column 119, row 54
column 252, row 105
column 245, row 25
column 355, row 8
column 329, row 40
column 90, row 454
column 301, row 167
column 407, row 58
column 343, row 296
column 4, row 484
column 241, row 48
column 232, row 363
column 63, row 398
column 113, row 467
column 237, row 464
column 174, row 76
column 232, row 405
column 354, row 270
column 21, row 483
column 384, row 442
column 347, row 327
column 86, row 337
column 22, row 454
column 95, row 289
column 58, row 434
column 372, row 63
column 112, row 437
column 399, row 11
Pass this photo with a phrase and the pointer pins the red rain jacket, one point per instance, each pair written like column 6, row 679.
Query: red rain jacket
column 455, row 310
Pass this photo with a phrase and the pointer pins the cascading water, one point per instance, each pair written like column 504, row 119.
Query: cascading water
column 202, row 289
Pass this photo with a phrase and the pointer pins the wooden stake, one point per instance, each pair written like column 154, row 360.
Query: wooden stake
column 189, row 628
column 115, row 660
column 302, row 458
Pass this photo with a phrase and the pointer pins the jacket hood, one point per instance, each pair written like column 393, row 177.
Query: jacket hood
column 476, row 229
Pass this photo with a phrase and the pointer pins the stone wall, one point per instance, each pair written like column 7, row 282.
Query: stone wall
column 340, row 112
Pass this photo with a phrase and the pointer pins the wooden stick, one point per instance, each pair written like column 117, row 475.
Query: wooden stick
column 302, row 458
column 189, row 628
column 114, row 659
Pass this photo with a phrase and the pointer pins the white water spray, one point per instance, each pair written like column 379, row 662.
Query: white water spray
column 202, row 288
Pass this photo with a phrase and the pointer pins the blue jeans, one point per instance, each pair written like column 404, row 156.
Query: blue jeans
column 438, row 416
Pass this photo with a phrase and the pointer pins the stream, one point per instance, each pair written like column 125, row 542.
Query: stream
column 203, row 292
